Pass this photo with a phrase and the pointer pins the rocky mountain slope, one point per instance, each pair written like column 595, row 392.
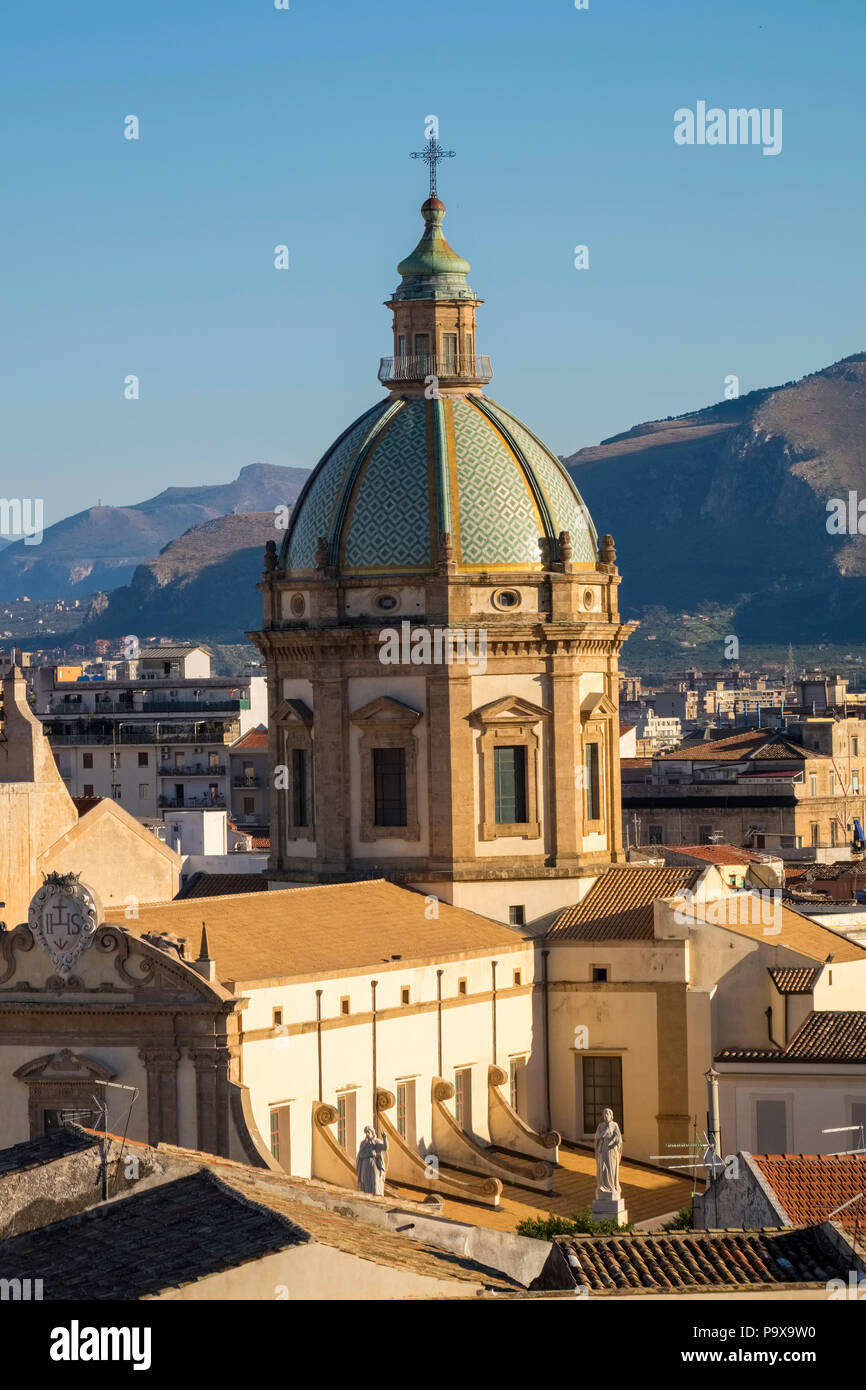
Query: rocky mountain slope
column 99, row 549
column 728, row 506
column 202, row 586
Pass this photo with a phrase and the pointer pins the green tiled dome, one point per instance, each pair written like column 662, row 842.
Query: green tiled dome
column 412, row 469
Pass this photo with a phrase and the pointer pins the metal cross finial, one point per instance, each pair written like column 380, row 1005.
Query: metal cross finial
column 431, row 156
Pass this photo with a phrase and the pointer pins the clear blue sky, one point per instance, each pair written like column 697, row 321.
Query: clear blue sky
column 261, row 127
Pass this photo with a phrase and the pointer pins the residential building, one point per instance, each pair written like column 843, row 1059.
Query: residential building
column 249, row 782
column 157, row 739
column 762, row 788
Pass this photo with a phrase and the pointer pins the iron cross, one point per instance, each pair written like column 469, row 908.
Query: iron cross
column 431, row 156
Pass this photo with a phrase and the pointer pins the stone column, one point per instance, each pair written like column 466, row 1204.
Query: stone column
column 161, row 1067
column 211, row 1095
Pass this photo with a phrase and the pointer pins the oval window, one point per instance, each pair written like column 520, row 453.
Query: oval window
column 507, row 598
column 387, row 601
column 588, row 599
column 298, row 605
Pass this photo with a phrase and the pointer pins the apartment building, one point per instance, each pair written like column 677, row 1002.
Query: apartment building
column 157, row 739
column 800, row 789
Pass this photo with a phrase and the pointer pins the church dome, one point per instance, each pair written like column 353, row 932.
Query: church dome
column 411, row 470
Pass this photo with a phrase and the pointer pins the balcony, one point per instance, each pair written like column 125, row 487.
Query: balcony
column 445, row 369
column 192, row 803
column 191, row 770
column 148, row 708
column 251, row 782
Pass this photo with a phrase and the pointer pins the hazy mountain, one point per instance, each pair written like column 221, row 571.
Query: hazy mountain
column 201, row 586
column 728, row 506
column 99, row 549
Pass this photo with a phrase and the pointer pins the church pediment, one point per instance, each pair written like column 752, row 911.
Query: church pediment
column 115, row 962
column 63, row 1066
column 385, row 710
column 293, row 712
column 597, row 706
column 510, row 709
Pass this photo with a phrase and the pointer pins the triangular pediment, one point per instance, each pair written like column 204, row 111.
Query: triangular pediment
column 510, row 708
column 293, row 712
column 385, row 710
column 597, row 706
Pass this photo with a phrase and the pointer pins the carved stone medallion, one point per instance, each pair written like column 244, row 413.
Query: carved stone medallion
column 63, row 917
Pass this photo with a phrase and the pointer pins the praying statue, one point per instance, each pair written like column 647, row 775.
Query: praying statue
column 371, row 1162
column 608, row 1150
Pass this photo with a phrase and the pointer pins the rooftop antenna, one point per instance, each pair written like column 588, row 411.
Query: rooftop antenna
column 101, row 1104
column 849, row 1129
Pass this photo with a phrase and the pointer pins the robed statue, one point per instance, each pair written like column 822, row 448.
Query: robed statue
column 608, row 1150
column 371, row 1162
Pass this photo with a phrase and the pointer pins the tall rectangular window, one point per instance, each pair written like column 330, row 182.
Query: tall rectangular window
column 815, row 829
column 593, row 779
column 389, row 786
column 771, row 1127
column 299, row 786
column 813, row 784
column 517, row 1083
column 87, row 760
column 401, row 346
column 704, row 833
column 509, row 784
column 406, row 1111
column 602, row 1090
column 449, row 349
column 280, row 1136
column 142, row 759
column 422, row 344
column 346, row 1121
column 463, row 1097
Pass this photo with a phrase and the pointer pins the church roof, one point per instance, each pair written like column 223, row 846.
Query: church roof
column 325, row 929
column 411, row 469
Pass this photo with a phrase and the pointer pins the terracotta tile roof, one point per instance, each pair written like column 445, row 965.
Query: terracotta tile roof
column 308, row 931
column 626, row 729
column 826, row 1035
column 83, row 804
column 830, row 1035
column 719, row 854
column 829, row 873
column 635, row 762
column 619, row 905
column 793, row 980
column 800, row 933
column 810, row 1186
column 181, row 1232
column 748, row 744
column 717, row 1260
column 256, row 738
column 203, row 885
column 255, row 833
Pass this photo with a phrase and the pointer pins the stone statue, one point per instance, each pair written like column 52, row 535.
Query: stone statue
column 608, row 550
column 371, row 1162
column 608, row 1150
column 270, row 556
column 564, row 545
